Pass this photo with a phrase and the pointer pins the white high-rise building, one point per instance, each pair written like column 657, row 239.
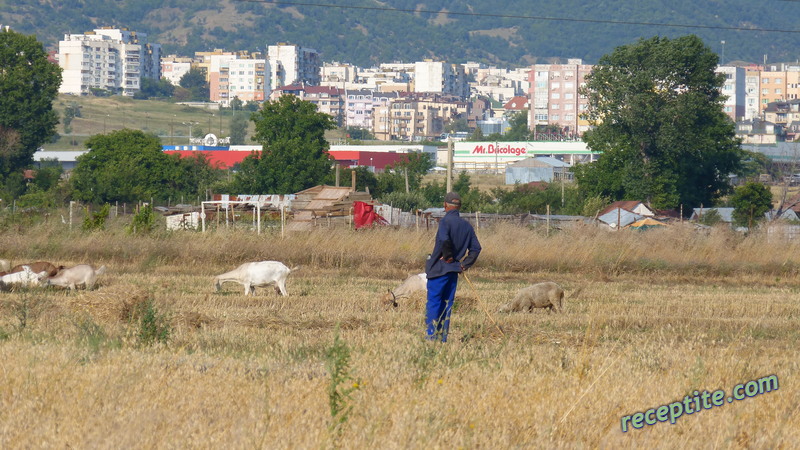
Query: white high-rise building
column 292, row 64
column 440, row 78
column 113, row 59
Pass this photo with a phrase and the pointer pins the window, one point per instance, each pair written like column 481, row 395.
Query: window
column 569, row 106
column 555, row 95
column 540, row 117
column 764, row 91
column 555, row 85
column 555, row 117
column 779, row 91
column 555, row 106
column 569, row 95
column 569, row 117
column 569, row 85
column 778, row 80
column 765, row 80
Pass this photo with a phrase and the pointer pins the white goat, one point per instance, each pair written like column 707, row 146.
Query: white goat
column 26, row 277
column 257, row 274
column 412, row 284
column 82, row 274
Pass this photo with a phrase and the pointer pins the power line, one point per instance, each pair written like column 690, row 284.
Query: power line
column 510, row 16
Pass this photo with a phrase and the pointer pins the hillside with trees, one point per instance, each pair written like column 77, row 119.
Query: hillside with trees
column 367, row 32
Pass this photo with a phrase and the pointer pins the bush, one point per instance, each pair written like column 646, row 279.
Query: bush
column 144, row 221
column 96, row 220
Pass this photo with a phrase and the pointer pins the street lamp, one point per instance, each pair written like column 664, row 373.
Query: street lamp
column 190, row 124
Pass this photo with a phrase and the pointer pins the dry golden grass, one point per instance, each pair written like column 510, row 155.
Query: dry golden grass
column 660, row 315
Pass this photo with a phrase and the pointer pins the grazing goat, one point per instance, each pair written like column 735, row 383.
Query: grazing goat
column 257, row 274
column 82, row 274
column 37, row 267
column 5, row 265
column 540, row 295
column 412, row 284
column 25, row 277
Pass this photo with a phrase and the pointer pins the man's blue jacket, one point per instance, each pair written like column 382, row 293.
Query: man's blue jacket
column 455, row 238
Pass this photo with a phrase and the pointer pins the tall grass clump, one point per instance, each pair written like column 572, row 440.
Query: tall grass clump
column 342, row 384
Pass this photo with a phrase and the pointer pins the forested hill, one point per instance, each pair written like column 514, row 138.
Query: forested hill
column 510, row 33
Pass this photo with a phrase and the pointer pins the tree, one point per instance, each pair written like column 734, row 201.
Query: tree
column 518, row 130
column 28, row 85
column 659, row 122
column 151, row 87
column 295, row 155
column 125, row 166
column 195, row 81
column 238, row 128
column 750, row 202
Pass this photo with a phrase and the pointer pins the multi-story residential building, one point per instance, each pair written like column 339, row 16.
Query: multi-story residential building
column 336, row 74
column 438, row 77
column 230, row 77
column 498, row 84
column 292, row 64
column 555, row 98
column 358, row 108
column 734, row 89
column 417, row 116
column 112, row 59
column 752, row 93
column 381, row 101
column 329, row 100
column 174, row 67
column 773, row 87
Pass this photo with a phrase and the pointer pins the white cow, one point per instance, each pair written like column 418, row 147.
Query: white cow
column 82, row 274
column 26, row 277
column 257, row 274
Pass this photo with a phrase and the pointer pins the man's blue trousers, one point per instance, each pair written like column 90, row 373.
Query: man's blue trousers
column 441, row 294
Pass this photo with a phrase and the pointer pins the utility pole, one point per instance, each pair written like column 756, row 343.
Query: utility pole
column 449, row 164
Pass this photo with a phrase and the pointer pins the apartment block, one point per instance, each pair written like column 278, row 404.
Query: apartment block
column 555, row 98
column 231, row 76
column 438, row 77
column 292, row 64
column 417, row 117
column 734, row 88
column 358, row 108
column 174, row 67
column 329, row 100
column 112, row 59
column 773, row 87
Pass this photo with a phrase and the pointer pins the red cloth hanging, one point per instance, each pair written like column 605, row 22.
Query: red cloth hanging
column 364, row 215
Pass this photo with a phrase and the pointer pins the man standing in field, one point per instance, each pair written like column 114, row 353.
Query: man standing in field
column 455, row 239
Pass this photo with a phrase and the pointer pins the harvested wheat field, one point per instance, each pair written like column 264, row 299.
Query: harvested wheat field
column 155, row 358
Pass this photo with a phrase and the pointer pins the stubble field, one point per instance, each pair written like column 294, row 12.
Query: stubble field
column 659, row 315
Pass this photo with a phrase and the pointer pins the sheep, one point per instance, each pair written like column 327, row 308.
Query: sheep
column 25, row 277
column 257, row 274
column 540, row 295
column 82, row 274
column 412, row 284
